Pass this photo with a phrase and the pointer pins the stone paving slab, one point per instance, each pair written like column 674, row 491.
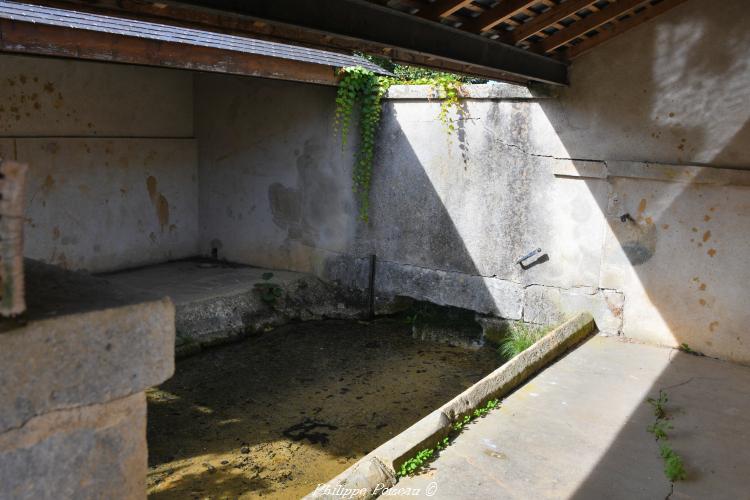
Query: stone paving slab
column 578, row 430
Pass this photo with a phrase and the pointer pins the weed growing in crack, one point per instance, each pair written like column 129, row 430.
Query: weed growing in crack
column 688, row 350
column 674, row 468
column 658, row 404
column 659, row 429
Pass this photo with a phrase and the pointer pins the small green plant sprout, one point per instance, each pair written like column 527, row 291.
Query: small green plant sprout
column 674, row 469
column 658, row 404
column 520, row 337
column 484, row 410
column 411, row 319
column 270, row 293
column 461, row 423
column 442, row 444
column 688, row 350
column 659, row 429
column 415, row 463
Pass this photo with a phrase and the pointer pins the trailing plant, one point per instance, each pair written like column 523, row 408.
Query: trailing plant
column 360, row 91
column 359, row 94
column 520, row 337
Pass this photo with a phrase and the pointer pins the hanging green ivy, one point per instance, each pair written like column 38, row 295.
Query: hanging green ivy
column 360, row 92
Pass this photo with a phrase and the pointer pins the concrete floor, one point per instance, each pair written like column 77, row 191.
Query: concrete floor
column 578, row 430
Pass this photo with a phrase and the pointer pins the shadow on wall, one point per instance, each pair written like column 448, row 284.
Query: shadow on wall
column 677, row 237
column 420, row 252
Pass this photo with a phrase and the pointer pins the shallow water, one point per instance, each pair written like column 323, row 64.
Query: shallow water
column 274, row 416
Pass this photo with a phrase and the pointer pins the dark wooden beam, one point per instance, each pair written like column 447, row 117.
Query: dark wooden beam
column 590, row 22
column 346, row 26
column 548, row 18
column 442, row 8
column 622, row 26
column 496, row 15
column 30, row 38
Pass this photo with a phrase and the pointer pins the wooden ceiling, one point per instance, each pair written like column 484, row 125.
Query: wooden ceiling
column 560, row 28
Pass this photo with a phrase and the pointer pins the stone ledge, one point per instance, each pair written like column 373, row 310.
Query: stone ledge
column 487, row 91
column 363, row 479
column 690, row 174
column 83, row 359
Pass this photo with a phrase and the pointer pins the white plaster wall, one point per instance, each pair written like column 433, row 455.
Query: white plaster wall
column 64, row 98
column 275, row 182
column 100, row 204
column 113, row 163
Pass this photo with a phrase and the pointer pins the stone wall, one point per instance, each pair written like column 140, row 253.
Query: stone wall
column 648, row 128
column 113, row 177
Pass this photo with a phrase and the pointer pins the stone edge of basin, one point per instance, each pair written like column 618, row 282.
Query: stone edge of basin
column 377, row 470
column 85, row 358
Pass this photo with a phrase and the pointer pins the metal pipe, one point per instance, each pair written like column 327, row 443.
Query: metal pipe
column 371, row 288
column 528, row 255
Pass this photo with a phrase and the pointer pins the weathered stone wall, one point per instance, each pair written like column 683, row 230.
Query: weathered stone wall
column 113, row 165
column 645, row 128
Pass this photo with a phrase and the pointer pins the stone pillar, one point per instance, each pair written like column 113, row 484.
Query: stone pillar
column 72, row 397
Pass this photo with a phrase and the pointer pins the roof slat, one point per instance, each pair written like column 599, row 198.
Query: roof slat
column 498, row 14
column 442, row 8
column 607, row 34
column 550, row 17
column 585, row 25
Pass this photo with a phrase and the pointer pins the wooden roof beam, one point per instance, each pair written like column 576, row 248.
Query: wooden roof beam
column 496, row 15
column 40, row 39
column 344, row 25
column 549, row 18
column 442, row 8
column 590, row 22
column 622, row 26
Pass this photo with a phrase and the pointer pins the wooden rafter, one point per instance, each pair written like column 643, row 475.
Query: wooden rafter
column 498, row 14
column 608, row 33
column 36, row 38
column 442, row 8
column 589, row 23
column 549, row 18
